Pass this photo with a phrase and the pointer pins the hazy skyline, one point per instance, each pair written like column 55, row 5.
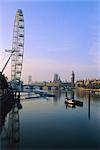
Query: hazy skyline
column 59, row 37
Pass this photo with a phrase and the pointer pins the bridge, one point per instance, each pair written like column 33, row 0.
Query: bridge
column 41, row 86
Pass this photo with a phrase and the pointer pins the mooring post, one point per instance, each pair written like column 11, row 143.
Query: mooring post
column 19, row 96
column 66, row 94
column 89, row 105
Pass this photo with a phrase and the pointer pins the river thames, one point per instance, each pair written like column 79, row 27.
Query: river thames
column 50, row 123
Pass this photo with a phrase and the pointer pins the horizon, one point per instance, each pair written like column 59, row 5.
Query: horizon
column 59, row 37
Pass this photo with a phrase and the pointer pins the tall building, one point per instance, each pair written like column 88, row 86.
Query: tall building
column 29, row 79
column 73, row 79
column 57, row 78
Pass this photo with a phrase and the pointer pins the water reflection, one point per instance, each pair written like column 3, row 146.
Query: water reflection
column 57, row 97
column 30, row 93
column 78, row 95
column 50, row 127
column 71, row 102
column 10, row 124
column 89, row 106
column 72, row 94
column 84, row 95
column 6, row 104
column 90, row 97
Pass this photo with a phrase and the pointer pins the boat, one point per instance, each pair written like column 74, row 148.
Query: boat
column 79, row 103
column 70, row 105
column 32, row 97
column 48, row 95
column 43, row 93
column 73, row 102
column 70, row 101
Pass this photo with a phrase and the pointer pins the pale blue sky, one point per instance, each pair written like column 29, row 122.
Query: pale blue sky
column 59, row 37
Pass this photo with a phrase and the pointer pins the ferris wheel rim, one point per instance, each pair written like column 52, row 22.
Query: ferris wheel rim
column 17, row 46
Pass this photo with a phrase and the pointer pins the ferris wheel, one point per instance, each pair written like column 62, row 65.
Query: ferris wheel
column 18, row 47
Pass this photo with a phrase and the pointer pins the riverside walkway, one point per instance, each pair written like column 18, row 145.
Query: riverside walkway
column 87, row 90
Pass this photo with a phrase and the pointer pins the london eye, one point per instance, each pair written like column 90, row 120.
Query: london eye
column 18, row 47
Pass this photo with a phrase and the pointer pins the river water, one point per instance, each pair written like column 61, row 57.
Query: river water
column 49, row 123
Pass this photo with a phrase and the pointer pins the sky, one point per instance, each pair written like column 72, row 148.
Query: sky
column 60, row 36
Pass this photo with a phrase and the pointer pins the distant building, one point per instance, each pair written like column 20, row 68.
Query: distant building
column 93, row 83
column 29, row 79
column 80, row 83
column 73, row 79
column 56, row 78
